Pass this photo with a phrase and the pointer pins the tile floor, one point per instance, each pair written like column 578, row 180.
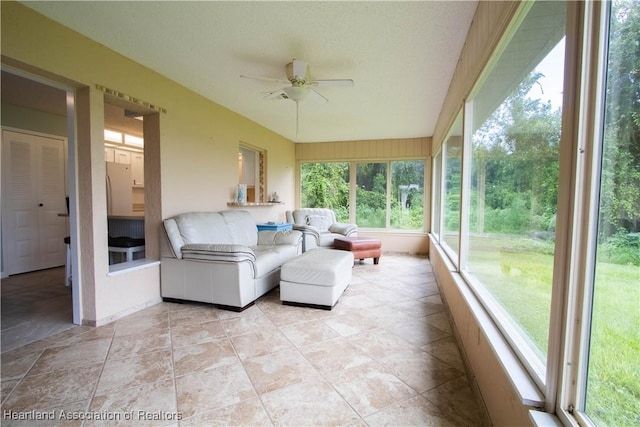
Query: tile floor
column 384, row 355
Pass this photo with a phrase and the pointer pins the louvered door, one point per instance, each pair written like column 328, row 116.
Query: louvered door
column 33, row 194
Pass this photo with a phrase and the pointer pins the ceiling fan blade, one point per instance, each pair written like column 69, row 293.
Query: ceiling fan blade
column 332, row 83
column 299, row 69
column 266, row 79
column 316, row 97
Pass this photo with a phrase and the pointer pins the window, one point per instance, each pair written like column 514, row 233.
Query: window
column 452, row 187
column 381, row 201
column 515, row 119
column 407, row 195
column 371, row 195
column 437, row 195
column 326, row 185
column 612, row 345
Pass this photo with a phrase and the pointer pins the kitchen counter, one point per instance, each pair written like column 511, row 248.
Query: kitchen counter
column 132, row 217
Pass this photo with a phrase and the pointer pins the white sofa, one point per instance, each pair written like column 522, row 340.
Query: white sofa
column 221, row 258
column 319, row 227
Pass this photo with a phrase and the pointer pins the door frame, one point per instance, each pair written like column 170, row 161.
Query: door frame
column 72, row 173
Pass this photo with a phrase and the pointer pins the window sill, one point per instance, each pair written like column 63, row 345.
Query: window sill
column 524, row 386
column 127, row 267
column 254, row 204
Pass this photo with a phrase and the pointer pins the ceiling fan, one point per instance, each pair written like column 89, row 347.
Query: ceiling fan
column 300, row 87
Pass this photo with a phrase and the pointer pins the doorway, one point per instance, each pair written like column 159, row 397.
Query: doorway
column 43, row 110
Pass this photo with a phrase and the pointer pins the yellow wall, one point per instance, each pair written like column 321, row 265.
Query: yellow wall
column 197, row 158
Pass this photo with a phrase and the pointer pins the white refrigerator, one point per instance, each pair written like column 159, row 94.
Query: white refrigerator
column 119, row 189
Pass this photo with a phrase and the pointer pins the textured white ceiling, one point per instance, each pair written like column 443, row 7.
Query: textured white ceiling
column 401, row 55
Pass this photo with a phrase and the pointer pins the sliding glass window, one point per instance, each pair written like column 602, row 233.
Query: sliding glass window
column 514, row 126
column 326, row 185
column 452, row 152
column 383, row 200
column 611, row 347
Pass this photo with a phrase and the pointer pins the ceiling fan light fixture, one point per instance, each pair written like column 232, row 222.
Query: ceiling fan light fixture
column 296, row 93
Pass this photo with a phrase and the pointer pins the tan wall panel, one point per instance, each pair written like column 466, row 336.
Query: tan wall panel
column 380, row 149
column 491, row 20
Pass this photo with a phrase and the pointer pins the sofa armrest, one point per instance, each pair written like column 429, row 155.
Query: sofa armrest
column 307, row 229
column 281, row 237
column 218, row 252
column 344, row 229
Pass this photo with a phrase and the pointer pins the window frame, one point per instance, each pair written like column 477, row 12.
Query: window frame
column 352, row 191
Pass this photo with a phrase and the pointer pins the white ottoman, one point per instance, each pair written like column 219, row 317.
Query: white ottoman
column 316, row 278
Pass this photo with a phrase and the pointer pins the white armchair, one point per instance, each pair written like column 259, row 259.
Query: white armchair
column 319, row 227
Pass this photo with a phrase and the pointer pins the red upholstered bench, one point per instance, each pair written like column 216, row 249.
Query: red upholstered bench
column 362, row 247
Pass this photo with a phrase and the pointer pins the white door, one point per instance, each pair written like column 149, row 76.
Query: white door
column 33, row 195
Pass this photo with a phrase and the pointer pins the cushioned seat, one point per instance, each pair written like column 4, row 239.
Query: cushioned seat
column 316, row 278
column 319, row 227
column 126, row 245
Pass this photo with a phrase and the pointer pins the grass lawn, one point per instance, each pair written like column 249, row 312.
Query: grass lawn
column 518, row 273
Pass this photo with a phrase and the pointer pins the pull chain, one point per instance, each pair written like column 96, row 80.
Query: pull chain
column 297, row 118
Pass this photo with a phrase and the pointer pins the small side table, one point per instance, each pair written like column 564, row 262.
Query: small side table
column 275, row 226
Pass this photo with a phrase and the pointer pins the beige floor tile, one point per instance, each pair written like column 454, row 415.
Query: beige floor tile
column 447, row 351
column 138, row 405
column 456, row 401
column 248, row 323
column 369, row 387
column 439, row 320
column 64, row 415
column 334, row 355
column 416, row 411
column 419, row 369
column 54, row 388
column 416, row 331
column 313, row 403
column 278, row 370
column 388, row 338
column 200, row 357
column 301, row 334
column 120, row 374
column 154, row 323
column 349, row 324
column 249, row 412
column 260, row 343
column 380, row 343
column 196, row 333
column 72, row 356
column 17, row 362
column 213, row 389
column 131, row 345
column 196, row 313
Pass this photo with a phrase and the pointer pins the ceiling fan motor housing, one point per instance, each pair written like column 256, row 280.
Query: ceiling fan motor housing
column 297, row 72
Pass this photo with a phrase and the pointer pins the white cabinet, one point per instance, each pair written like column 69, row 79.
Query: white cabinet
column 116, row 155
column 123, row 156
column 109, row 154
column 137, row 169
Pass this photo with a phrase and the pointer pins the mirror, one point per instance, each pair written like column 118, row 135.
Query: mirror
column 251, row 172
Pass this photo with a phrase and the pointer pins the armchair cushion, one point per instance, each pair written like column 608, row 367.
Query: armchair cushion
column 319, row 222
column 319, row 226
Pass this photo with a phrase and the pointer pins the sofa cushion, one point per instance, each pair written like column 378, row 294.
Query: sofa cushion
column 203, row 227
column 300, row 215
column 320, row 222
column 241, row 227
